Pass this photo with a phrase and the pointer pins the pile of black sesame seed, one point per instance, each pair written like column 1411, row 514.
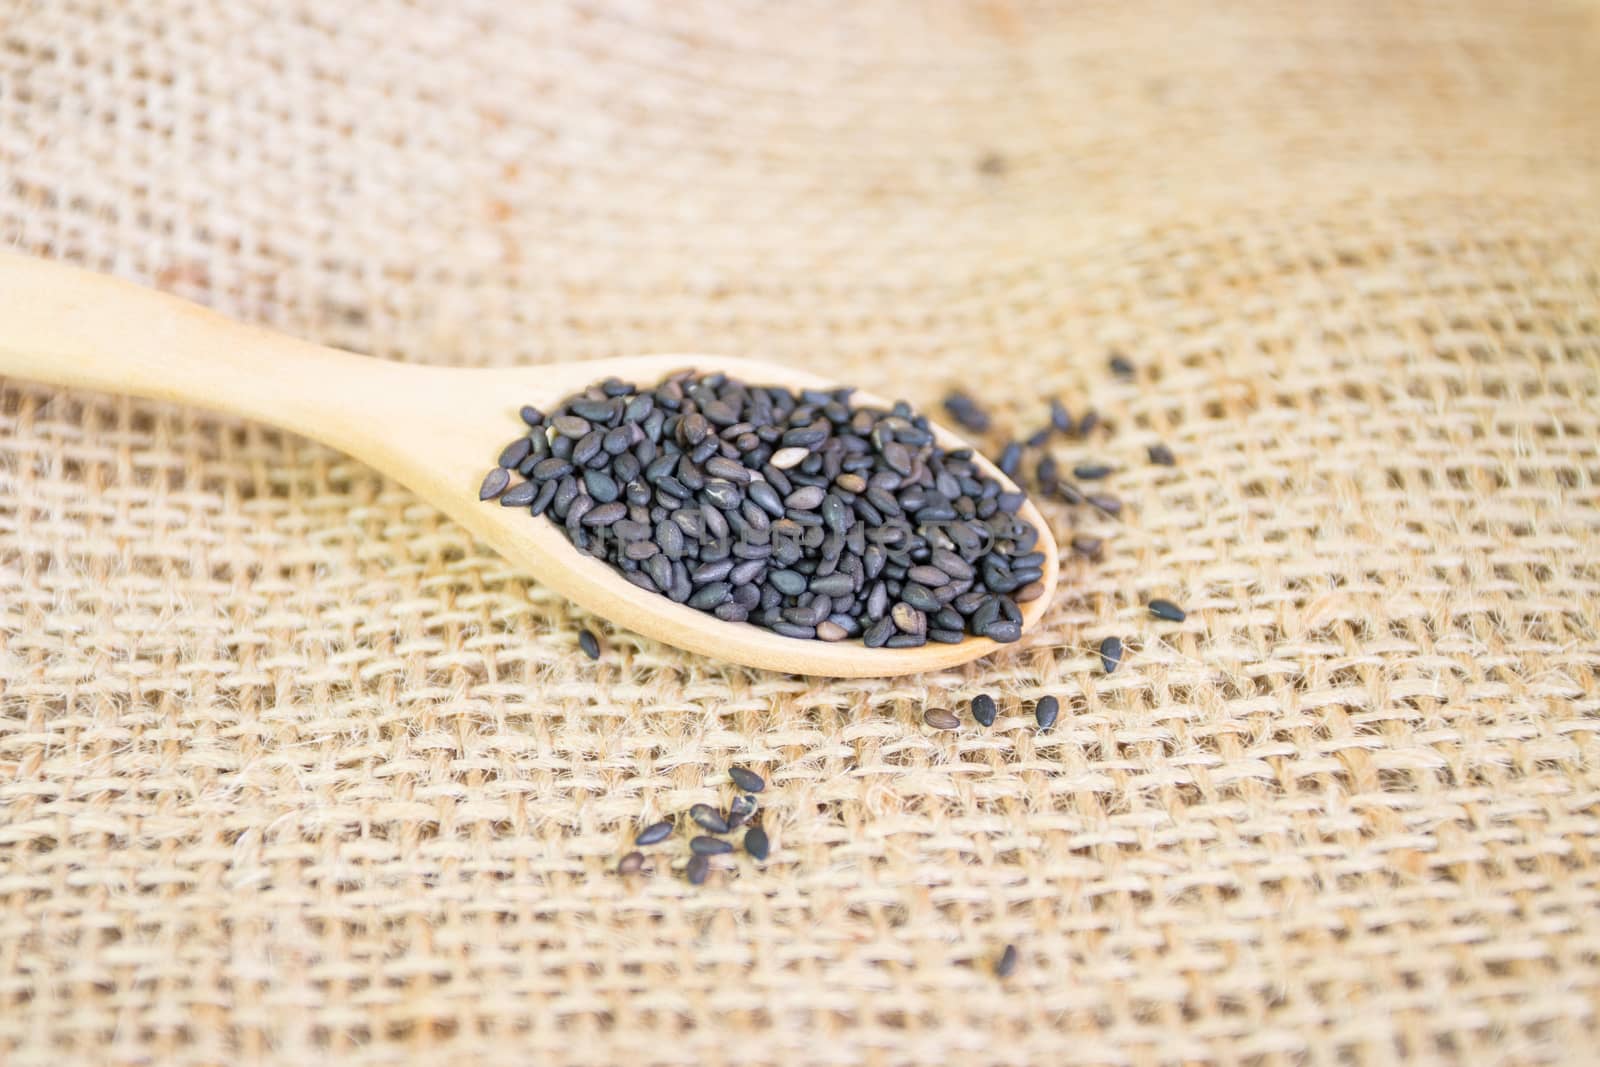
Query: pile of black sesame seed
column 797, row 512
column 743, row 811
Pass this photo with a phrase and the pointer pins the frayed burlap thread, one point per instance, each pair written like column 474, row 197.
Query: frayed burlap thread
column 292, row 771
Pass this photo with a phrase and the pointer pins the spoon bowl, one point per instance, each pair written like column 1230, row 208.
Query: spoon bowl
column 434, row 429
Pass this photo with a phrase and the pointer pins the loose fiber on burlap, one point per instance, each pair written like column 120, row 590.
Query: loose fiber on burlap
column 293, row 772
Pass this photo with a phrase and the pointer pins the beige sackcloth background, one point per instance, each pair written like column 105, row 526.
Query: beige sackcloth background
column 293, row 772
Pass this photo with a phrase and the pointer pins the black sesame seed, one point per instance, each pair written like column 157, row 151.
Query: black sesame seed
column 836, row 584
column 785, row 628
column 669, row 538
column 531, row 415
column 1059, row 418
column 835, row 515
column 630, row 863
column 828, row 630
column 729, row 470
column 743, row 574
column 740, row 810
column 601, row 486
column 589, row 643
column 966, row 412
column 547, row 493
column 515, row 452
column 748, row 780
column 785, row 458
column 1007, row 963
column 1045, row 712
column 605, row 514
column 656, row 831
column 1046, row 474
column 708, row 597
column 519, row 495
column 1087, row 424
column 719, row 414
column 1085, row 545
column 578, row 506
column 697, row 869
column 637, row 408
column 709, row 818
column 1121, row 365
column 551, row 467
column 804, row 437
column 570, row 426
column 494, row 483
column 704, row 845
column 755, row 842
column 983, row 709
column 908, row 619
column 941, row 719
column 1108, row 504
column 1162, row 455
column 1010, row 459
column 594, row 410
column 1003, row 631
column 1091, row 472
column 805, row 499
column 787, row 582
column 1110, row 654
column 767, row 498
column 724, row 495
column 897, row 457
column 1166, row 609
column 878, row 634
column 693, row 428
column 588, row 448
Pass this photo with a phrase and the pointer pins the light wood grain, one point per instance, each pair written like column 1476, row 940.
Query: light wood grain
column 435, row 429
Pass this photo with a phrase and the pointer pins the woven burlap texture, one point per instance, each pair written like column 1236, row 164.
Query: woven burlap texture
column 292, row 771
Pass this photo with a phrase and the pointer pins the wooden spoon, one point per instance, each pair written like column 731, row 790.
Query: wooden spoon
column 435, row 429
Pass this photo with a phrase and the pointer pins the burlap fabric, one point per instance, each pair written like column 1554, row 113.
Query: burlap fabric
column 293, row 772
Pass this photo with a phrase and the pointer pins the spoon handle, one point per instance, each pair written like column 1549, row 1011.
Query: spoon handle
column 71, row 327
